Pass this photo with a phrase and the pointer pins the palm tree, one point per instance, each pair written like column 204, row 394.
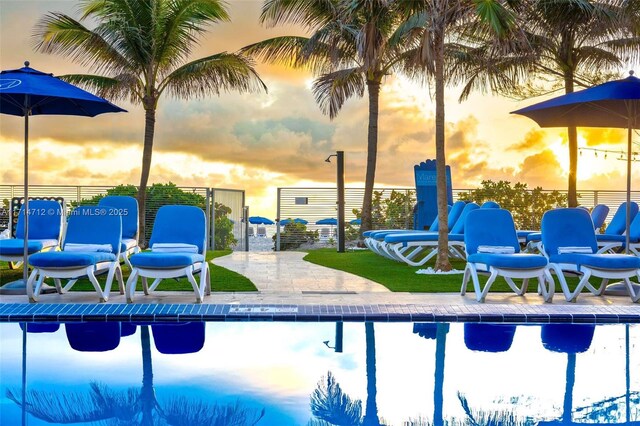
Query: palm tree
column 139, row 51
column 569, row 43
column 433, row 28
column 352, row 46
column 133, row 406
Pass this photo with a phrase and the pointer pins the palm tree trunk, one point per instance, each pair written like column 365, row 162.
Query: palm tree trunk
column 371, row 408
column 572, row 133
column 373, row 88
column 567, row 404
column 442, row 260
column 147, row 396
column 149, row 130
column 438, row 383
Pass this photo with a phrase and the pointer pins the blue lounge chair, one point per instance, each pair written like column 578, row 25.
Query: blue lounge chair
column 178, row 249
column 613, row 238
column 45, row 229
column 567, row 338
column 492, row 248
column 569, row 241
column 91, row 247
column 181, row 338
column 127, row 208
column 488, row 337
column 93, row 336
column 406, row 247
column 599, row 215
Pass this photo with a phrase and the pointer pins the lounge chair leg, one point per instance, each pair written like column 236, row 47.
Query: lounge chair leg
column 482, row 295
column 33, row 294
column 120, row 279
column 465, row 280
column 131, row 285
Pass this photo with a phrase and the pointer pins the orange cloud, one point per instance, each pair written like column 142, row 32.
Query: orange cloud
column 533, row 139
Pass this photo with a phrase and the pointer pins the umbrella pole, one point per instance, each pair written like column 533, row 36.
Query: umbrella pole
column 629, row 153
column 25, row 263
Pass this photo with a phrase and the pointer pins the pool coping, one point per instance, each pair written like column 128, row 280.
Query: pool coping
column 183, row 312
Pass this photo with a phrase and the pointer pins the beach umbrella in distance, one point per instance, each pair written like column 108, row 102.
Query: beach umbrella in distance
column 25, row 92
column 259, row 220
column 356, row 222
column 296, row 220
column 327, row 221
column 612, row 104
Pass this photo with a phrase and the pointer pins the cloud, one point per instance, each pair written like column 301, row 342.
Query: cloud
column 542, row 169
column 533, row 139
column 595, row 136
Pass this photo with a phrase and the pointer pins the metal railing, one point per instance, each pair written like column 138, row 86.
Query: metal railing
column 313, row 204
column 73, row 195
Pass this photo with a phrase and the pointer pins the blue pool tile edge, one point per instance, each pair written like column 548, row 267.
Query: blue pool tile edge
column 71, row 312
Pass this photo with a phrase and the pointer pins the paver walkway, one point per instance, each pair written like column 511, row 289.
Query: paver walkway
column 285, row 271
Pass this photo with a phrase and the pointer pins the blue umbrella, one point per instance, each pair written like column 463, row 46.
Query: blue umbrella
column 259, row 220
column 356, row 222
column 25, row 92
column 327, row 221
column 612, row 104
column 296, row 220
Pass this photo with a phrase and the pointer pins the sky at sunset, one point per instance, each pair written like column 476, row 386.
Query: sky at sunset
column 259, row 142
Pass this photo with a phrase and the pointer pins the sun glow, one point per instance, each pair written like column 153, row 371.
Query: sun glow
column 590, row 163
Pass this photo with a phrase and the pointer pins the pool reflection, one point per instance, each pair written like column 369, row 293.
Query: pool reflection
column 282, row 373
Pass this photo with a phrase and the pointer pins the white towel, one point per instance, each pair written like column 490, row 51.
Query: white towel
column 103, row 248
column 565, row 250
column 174, row 248
column 496, row 249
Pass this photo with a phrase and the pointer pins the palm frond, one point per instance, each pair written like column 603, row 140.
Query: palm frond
column 120, row 87
column 99, row 403
column 308, row 13
column 222, row 72
column 181, row 25
column 333, row 89
column 181, row 411
column 330, row 403
column 61, row 34
column 285, row 50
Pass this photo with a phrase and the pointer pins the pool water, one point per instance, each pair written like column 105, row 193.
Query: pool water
column 269, row 373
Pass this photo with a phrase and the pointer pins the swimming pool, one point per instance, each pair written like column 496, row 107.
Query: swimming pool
column 300, row 373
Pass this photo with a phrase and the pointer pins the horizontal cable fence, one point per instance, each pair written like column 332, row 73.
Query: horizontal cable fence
column 393, row 208
column 76, row 195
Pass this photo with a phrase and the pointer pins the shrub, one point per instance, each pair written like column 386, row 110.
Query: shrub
column 160, row 194
column 294, row 235
column 526, row 205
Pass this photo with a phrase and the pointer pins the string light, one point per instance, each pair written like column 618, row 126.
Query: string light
column 621, row 155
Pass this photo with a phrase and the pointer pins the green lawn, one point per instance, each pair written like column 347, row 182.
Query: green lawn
column 401, row 277
column 222, row 279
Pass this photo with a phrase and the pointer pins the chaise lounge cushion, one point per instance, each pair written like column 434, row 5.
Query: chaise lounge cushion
column 165, row 260
column 61, row 259
column 515, row 260
column 14, row 247
column 608, row 261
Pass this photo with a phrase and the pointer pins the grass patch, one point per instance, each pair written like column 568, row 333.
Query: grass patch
column 398, row 276
column 222, row 279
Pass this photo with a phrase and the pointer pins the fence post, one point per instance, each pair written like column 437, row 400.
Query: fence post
column 277, row 247
column 213, row 219
column 207, row 212
column 340, row 182
column 245, row 225
column 595, row 198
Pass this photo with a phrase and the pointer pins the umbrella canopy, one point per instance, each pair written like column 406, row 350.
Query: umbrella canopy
column 25, row 92
column 356, row 222
column 612, row 104
column 259, row 220
column 327, row 221
column 296, row 220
